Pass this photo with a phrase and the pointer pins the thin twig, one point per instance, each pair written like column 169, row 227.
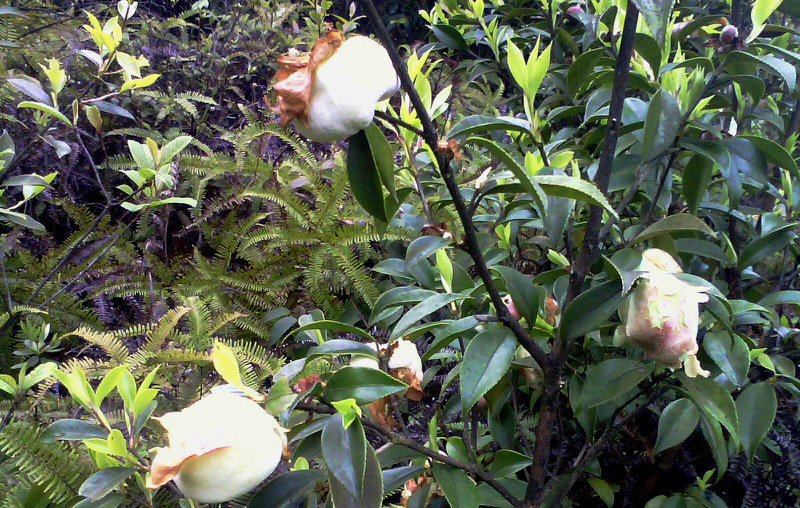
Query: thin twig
column 399, row 123
column 94, row 167
column 471, row 239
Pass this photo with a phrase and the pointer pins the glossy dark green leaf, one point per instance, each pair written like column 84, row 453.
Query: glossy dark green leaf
column 365, row 177
column 610, row 379
column 345, row 453
column 513, row 165
column 395, row 478
column 112, row 500
column 661, row 125
column 104, row 481
column 712, row 431
column 775, row 153
column 672, row 224
column 523, row 292
column 423, row 309
column 372, row 494
column 363, row 384
column 649, row 49
column 383, row 155
column 423, row 247
column 342, row 347
column 396, row 297
column 731, row 356
column 677, row 422
column 573, row 188
column 508, row 462
column 713, row 400
column 781, row 298
column 582, row 67
column 287, row 489
column 477, row 124
column 774, row 65
column 449, row 36
column 591, row 309
column 703, row 248
column 656, row 15
column 486, row 361
column 459, row 489
column 756, row 407
column 112, row 109
column 769, row 244
column 625, row 265
column 72, row 430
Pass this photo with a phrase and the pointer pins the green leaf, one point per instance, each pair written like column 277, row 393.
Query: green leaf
column 775, row 153
column 174, row 147
column 109, row 501
column 478, row 124
column 610, row 379
column 714, row 401
column 677, row 422
column 32, row 89
column 113, row 109
column 139, row 82
column 50, row 110
column 21, row 219
column 226, row 365
column 516, row 64
column 280, row 397
column 72, row 430
column 591, row 309
column 372, row 495
column 395, row 478
column 449, row 36
column 141, row 154
column 383, row 157
column 287, row 489
column 774, row 65
column 32, row 179
column 365, row 177
column 363, row 384
column 109, row 382
column 538, row 70
column 761, row 10
column 423, row 309
column 486, row 360
column 661, row 124
column 337, row 326
column 602, row 489
column 573, row 188
column 345, row 452
column 716, row 441
column 756, row 407
column 769, row 244
column 671, row 224
column 523, row 292
column 341, row 347
column 104, row 481
column 508, row 462
column 519, row 172
column 459, row 489
column 656, row 15
column 731, row 356
column 781, row 298
column 396, row 297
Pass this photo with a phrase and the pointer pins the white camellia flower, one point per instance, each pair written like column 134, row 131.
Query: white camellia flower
column 331, row 93
column 662, row 314
column 220, row 447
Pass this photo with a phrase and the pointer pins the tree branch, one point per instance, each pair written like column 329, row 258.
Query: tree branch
column 471, row 239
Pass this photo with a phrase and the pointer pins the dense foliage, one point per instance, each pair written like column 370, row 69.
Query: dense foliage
column 560, row 268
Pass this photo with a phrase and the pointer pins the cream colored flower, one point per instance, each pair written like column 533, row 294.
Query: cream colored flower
column 220, row 447
column 331, row 93
column 662, row 315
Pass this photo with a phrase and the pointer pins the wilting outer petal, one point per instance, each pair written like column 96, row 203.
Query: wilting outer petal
column 219, row 448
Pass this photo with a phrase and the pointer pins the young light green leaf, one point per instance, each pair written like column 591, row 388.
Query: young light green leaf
column 50, row 110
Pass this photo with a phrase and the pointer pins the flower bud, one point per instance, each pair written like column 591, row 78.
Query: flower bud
column 728, row 34
column 331, row 93
column 662, row 314
column 220, row 447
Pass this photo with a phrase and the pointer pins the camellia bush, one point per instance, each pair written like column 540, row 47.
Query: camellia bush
column 538, row 254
